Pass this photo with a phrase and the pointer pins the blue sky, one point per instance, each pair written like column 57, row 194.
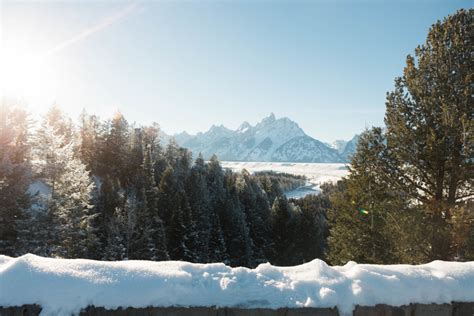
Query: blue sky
column 188, row 64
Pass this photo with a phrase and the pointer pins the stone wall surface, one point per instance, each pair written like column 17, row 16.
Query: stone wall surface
column 454, row 309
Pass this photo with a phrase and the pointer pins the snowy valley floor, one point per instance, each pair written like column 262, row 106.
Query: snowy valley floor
column 63, row 287
column 316, row 173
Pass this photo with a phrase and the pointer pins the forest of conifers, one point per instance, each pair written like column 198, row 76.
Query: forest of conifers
column 110, row 190
column 115, row 193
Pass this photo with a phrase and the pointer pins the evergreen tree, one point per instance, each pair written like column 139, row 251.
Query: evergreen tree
column 167, row 195
column 89, row 132
column 415, row 180
column 70, row 185
column 14, row 176
column 313, row 226
column 217, row 248
column 182, row 167
column 360, row 210
column 239, row 245
column 160, row 165
column 61, row 124
column 109, row 199
column 154, row 231
column 114, row 150
column 257, row 214
column 198, row 196
column 113, row 144
column 429, row 121
column 135, row 158
column 72, row 197
column 270, row 187
column 181, row 231
column 119, row 223
column 217, row 196
column 463, row 231
column 284, row 228
column 36, row 234
column 215, row 184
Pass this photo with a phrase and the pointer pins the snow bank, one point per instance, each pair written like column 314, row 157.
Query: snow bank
column 64, row 286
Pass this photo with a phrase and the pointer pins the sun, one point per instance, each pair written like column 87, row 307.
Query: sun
column 26, row 76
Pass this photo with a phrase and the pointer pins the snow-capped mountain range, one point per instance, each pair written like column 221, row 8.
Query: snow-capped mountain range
column 276, row 140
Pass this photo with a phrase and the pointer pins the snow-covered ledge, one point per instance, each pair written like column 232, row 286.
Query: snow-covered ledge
column 64, row 287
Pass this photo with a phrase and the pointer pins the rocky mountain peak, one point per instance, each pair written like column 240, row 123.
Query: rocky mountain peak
column 272, row 139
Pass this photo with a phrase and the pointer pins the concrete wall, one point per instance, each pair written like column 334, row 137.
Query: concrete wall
column 454, row 309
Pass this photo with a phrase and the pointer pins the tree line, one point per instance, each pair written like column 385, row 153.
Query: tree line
column 110, row 190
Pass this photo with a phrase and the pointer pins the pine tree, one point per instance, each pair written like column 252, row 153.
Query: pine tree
column 72, row 197
column 430, row 127
column 109, row 199
column 114, row 149
column 239, row 245
column 257, row 214
column 61, row 124
column 180, row 235
column 89, row 132
column 160, row 165
column 171, row 153
column 167, row 195
column 182, row 167
column 116, row 245
column 361, row 208
column 198, row 196
column 36, row 233
column 284, row 225
column 71, row 188
column 463, row 231
column 217, row 196
column 154, row 231
column 313, row 226
column 14, row 176
column 111, row 171
column 135, row 158
column 215, row 183
column 217, row 248
column 270, row 187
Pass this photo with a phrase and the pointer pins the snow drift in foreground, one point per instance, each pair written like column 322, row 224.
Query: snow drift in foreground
column 63, row 286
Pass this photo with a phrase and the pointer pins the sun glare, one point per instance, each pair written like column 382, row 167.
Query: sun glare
column 26, row 76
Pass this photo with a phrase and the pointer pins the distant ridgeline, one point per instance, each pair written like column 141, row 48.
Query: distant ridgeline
column 276, row 140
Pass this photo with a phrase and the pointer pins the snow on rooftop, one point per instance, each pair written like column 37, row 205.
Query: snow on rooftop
column 65, row 286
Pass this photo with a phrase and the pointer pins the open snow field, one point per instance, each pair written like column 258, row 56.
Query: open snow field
column 316, row 173
column 65, row 286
